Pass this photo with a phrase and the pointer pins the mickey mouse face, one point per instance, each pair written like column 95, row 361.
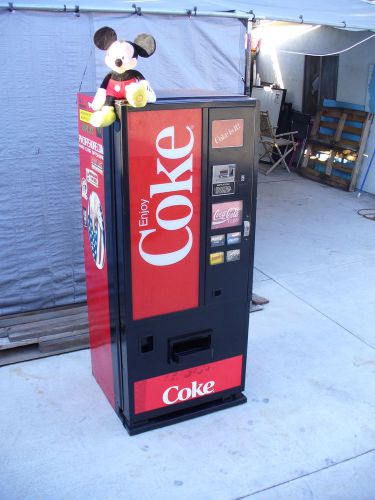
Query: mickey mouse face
column 120, row 57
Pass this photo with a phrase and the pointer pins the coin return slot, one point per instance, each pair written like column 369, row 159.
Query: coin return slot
column 217, row 293
column 147, row 343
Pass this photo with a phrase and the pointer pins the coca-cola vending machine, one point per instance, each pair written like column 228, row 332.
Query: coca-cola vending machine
column 168, row 209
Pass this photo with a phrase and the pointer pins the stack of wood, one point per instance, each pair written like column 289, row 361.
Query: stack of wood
column 46, row 332
column 336, row 145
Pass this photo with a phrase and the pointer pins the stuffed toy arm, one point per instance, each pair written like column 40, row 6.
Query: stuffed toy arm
column 100, row 95
column 99, row 100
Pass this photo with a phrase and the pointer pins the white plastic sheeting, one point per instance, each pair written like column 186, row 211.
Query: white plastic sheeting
column 45, row 58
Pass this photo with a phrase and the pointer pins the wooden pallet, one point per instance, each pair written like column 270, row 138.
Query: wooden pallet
column 257, row 302
column 42, row 333
column 336, row 145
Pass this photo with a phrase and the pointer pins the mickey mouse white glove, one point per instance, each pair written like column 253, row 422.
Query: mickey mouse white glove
column 151, row 97
column 99, row 100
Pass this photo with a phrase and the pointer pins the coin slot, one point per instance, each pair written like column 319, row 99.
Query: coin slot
column 147, row 343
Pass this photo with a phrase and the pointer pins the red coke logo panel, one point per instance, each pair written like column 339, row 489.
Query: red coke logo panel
column 185, row 385
column 165, row 190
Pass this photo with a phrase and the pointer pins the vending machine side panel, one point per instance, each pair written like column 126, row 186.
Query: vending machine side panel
column 91, row 157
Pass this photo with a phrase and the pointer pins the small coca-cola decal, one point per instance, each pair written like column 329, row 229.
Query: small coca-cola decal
column 226, row 214
column 227, row 133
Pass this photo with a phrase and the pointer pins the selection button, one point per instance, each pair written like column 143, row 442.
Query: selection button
column 216, row 258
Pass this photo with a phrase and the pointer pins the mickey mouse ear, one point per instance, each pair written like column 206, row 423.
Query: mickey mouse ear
column 104, row 37
column 145, row 44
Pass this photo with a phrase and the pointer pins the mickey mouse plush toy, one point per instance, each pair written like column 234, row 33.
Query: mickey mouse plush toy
column 123, row 82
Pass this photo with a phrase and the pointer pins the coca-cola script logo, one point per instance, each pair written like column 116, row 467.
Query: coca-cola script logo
column 174, row 394
column 171, row 184
column 227, row 133
column 226, row 214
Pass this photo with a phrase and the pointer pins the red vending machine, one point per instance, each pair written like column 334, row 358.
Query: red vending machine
column 168, row 210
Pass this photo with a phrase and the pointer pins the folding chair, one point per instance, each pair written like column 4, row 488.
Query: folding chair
column 276, row 146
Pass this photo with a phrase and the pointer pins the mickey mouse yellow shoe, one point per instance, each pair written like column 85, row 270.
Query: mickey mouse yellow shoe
column 103, row 118
column 136, row 94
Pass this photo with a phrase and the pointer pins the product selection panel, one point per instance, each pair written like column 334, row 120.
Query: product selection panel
column 229, row 202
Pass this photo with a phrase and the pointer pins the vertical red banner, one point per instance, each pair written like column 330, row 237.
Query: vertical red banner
column 94, row 238
column 165, row 191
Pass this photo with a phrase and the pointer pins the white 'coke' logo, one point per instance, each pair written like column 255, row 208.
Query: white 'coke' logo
column 173, row 185
column 174, row 394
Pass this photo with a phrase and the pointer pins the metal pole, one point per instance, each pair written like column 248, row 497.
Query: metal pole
column 366, row 174
column 10, row 6
column 132, row 10
column 138, row 10
column 248, row 61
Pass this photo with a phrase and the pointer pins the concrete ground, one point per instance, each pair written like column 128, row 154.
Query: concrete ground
column 308, row 429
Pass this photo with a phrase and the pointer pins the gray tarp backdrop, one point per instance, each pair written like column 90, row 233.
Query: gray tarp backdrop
column 45, row 58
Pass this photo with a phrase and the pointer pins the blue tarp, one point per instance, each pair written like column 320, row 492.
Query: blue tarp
column 45, row 59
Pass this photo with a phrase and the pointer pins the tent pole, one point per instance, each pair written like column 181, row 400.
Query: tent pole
column 132, row 10
column 248, row 63
column 10, row 6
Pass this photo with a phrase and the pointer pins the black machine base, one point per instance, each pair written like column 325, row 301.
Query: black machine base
column 187, row 414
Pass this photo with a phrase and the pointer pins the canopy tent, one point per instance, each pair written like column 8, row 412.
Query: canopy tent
column 47, row 56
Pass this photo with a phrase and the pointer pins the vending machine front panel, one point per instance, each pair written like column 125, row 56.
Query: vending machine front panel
column 165, row 190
